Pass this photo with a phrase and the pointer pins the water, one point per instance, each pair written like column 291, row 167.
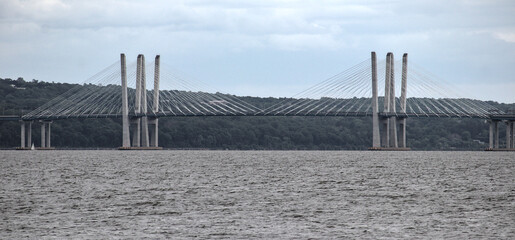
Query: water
column 256, row 194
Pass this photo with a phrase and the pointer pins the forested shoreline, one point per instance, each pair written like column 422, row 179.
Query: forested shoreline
column 245, row 133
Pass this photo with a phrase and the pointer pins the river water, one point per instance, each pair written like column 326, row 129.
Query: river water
column 256, row 194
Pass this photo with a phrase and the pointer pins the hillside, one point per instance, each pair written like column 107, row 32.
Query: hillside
column 19, row 96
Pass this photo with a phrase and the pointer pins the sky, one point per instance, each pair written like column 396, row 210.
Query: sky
column 263, row 48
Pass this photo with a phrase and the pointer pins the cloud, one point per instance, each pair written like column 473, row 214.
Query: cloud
column 461, row 40
column 296, row 42
column 506, row 36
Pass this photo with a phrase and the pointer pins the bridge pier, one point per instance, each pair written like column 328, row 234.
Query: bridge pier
column 43, row 137
column 513, row 134
column 136, row 133
column 26, row 135
column 402, row 130
column 29, row 135
column 22, row 135
column 509, row 134
column 153, row 125
column 385, row 133
column 48, row 145
column 491, row 135
column 494, row 134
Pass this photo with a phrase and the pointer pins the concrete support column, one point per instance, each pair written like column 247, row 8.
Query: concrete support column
column 385, row 132
column 491, row 135
column 508, row 134
column 154, row 123
column 43, row 137
column 402, row 135
column 404, row 87
column 153, row 132
column 512, row 134
column 496, row 134
column 136, row 134
column 126, row 142
column 144, row 119
column 376, row 141
column 48, row 134
column 136, row 129
column 29, row 135
column 393, row 119
column 22, row 135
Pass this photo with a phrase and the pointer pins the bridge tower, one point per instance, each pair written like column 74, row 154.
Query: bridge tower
column 384, row 130
column 376, row 141
column 125, row 105
column 153, row 122
column 404, row 86
column 392, row 119
column 139, row 122
column 136, row 120
column 144, row 119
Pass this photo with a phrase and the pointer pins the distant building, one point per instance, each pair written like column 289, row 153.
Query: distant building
column 14, row 86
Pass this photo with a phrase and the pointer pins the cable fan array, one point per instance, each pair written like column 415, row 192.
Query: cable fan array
column 345, row 94
column 100, row 97
column 195, row 98
column 349, row 94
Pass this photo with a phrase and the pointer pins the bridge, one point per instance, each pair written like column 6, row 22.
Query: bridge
column 122, row 91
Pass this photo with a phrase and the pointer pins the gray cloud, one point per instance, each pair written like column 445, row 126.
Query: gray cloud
column 465, row 41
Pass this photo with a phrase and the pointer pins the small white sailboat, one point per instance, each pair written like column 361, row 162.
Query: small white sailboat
column 32, row 147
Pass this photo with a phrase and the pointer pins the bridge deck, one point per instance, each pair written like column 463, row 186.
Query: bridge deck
column 335, row 114
column 10, row 118
column 500, row 117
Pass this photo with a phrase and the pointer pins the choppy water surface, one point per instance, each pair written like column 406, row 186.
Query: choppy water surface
column 256, row 194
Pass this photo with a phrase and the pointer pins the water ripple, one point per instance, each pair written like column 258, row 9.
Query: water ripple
column 256, row 194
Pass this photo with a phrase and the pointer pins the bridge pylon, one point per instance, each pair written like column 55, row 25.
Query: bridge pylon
column 126, row 142
column 153, row 121
column 376, row 141
column 139, row 122
column 404, row 85
column 384, row 131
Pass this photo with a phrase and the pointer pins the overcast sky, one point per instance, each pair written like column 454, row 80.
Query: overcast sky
column 262, row 48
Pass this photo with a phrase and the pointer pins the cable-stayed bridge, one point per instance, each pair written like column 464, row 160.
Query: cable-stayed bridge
column 140, row 93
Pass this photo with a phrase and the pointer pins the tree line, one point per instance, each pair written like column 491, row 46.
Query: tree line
column 257, row 132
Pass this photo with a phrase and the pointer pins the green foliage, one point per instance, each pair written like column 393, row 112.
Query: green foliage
column 315, row 133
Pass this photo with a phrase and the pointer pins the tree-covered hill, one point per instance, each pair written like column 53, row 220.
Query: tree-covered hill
column 19, row 96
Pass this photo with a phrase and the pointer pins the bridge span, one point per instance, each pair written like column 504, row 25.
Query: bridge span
column 116, row 92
